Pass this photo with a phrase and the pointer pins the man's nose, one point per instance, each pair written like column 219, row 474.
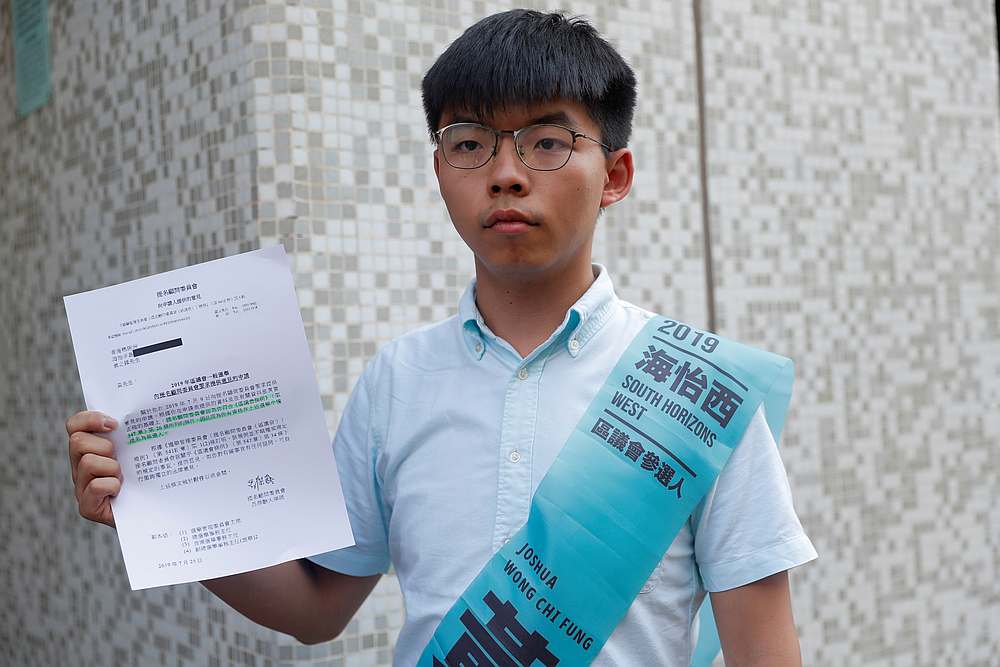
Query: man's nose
column 508, row 173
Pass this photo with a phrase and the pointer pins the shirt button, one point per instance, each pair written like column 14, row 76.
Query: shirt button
column 479, row 347
column 523, row 374
column 515, row 456
column 574, row 344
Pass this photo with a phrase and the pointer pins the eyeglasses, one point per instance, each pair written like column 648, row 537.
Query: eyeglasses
column 543, row 147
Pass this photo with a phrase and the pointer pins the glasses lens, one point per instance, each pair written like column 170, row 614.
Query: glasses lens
column 545, row 147
column 467, row 145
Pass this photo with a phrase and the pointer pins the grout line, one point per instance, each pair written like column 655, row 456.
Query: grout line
column 703, row 167
column 996, row 24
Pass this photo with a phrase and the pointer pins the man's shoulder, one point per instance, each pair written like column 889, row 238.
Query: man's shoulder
column 427, row 348
column 633, row 318
column 637, row 312
column 636, row 316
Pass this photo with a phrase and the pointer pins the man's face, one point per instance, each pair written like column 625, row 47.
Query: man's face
column 520, row 222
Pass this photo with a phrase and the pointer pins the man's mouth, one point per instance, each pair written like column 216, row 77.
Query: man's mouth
column 509, row 220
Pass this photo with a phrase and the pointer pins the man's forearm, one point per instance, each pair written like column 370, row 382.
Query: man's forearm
column 296, row 598
column 272, row 596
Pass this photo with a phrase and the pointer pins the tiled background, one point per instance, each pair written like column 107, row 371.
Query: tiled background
column 855, row 223
column 852, row 153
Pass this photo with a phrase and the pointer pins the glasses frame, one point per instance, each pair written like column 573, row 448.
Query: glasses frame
column 515, row 133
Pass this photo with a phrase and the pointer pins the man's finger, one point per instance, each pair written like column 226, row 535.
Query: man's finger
column 95, row 495
column 90, row 420
column 93, row 467
column 80, row 443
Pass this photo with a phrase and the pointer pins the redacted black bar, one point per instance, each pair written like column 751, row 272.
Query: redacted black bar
column 157, row 347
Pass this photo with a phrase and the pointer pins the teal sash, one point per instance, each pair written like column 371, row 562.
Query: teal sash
column 643, row 456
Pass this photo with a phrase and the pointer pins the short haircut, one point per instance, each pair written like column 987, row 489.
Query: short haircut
column 524, row 57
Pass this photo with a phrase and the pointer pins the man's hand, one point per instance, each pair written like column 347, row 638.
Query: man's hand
column 756, row 626
column 97, row 476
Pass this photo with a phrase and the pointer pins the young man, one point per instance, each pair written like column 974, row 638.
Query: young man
column 452, row 427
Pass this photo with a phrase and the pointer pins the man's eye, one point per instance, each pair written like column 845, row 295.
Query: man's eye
column 467, row 146
column 550, row 144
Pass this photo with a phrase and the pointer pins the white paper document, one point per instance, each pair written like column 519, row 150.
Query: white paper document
column 223, row 445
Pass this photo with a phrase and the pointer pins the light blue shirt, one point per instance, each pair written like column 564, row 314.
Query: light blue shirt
column 448, row 433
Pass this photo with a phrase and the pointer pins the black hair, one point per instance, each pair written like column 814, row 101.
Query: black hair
column 524, row 57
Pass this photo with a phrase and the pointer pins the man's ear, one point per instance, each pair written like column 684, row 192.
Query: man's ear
column 618, row 179
column 437, row 164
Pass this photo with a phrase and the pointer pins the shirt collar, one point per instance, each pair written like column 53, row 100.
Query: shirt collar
column 583, row 319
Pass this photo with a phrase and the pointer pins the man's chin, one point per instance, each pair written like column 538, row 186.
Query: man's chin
column 519, row 267
column 516, row 265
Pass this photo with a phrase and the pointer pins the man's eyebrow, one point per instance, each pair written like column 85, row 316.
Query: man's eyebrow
column 465, row 119
column 555, row 117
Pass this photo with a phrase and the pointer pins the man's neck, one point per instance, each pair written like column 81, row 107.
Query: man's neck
column 525, row 311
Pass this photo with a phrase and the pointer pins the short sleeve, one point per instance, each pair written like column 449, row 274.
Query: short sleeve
column 748, row 529
column 355, row 456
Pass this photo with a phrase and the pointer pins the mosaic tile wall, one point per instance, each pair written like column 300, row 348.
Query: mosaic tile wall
column 140, row 163
column 854, row 195
column 179, row 133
